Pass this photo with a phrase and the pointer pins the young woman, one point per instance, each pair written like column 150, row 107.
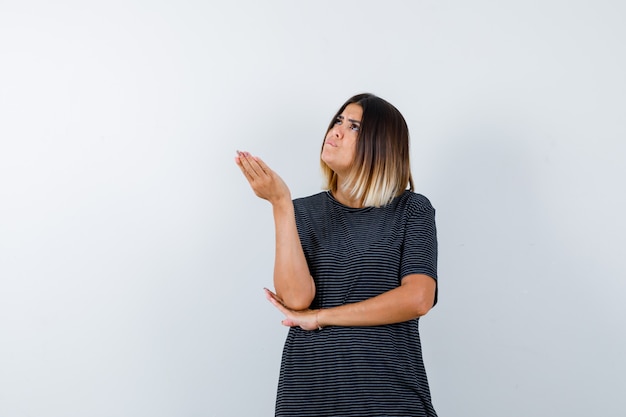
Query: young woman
column 355, row 269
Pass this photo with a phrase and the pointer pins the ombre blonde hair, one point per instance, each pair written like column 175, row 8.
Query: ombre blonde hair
column 381, row 169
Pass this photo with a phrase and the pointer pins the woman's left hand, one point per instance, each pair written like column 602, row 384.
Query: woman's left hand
column 305, row 319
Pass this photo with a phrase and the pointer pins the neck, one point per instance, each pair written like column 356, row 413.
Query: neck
column 345, row 199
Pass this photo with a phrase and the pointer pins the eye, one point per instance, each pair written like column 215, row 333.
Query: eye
column 355, row 127
column 338, row 121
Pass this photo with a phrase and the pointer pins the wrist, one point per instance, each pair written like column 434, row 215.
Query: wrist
column 283, row 204
column 317, row 320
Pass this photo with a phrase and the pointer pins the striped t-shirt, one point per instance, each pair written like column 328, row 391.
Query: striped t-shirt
column 354, row 254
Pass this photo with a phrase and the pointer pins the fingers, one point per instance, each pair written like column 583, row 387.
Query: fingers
column 278, row 303
column 251, row 166
column 270, row 295
column 305, row 319
column 244, row 171
column 242, row 161
column 265, row 183
column 262, row 165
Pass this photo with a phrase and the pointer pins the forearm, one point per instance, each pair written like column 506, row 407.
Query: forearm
column 412, row 299
column 292, row 280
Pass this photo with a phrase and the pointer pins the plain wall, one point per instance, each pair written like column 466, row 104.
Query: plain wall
column 133, row 253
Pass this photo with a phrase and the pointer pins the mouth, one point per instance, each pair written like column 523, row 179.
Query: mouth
column 330, row 143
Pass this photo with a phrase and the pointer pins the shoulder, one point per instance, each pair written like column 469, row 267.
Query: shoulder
column 313, row 206
column 311, row 201
column 415, row 202
column 312, row 211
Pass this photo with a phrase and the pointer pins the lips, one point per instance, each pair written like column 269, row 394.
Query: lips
column 331, row 143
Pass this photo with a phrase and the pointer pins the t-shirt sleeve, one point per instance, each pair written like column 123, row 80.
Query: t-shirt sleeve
column 419, row 251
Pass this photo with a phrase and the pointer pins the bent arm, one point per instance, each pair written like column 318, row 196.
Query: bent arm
column 413, row 298
column 292, row 279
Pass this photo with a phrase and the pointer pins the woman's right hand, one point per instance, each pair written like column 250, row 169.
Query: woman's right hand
column 265, row 183
column 292, row 279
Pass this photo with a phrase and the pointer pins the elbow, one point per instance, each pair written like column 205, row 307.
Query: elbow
column 296, row 302
column 420, row 306
column 298, row 305
column 420, row 292
column 298, row 298
column 421, row 310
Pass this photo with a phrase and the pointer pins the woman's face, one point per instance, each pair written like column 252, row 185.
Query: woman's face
column 340, row 143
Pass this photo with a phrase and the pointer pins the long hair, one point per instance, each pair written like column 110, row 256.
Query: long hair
column 381, row 169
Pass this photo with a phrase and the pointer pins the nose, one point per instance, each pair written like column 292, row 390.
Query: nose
column 337, row 131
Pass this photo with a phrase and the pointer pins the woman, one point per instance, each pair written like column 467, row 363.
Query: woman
column 355, row 269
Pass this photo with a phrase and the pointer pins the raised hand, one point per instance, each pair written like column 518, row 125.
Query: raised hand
column 265, row 183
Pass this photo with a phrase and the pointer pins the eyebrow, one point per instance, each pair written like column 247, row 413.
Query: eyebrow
column 350, row 120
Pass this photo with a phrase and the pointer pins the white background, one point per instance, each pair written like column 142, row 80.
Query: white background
column 133, row 253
